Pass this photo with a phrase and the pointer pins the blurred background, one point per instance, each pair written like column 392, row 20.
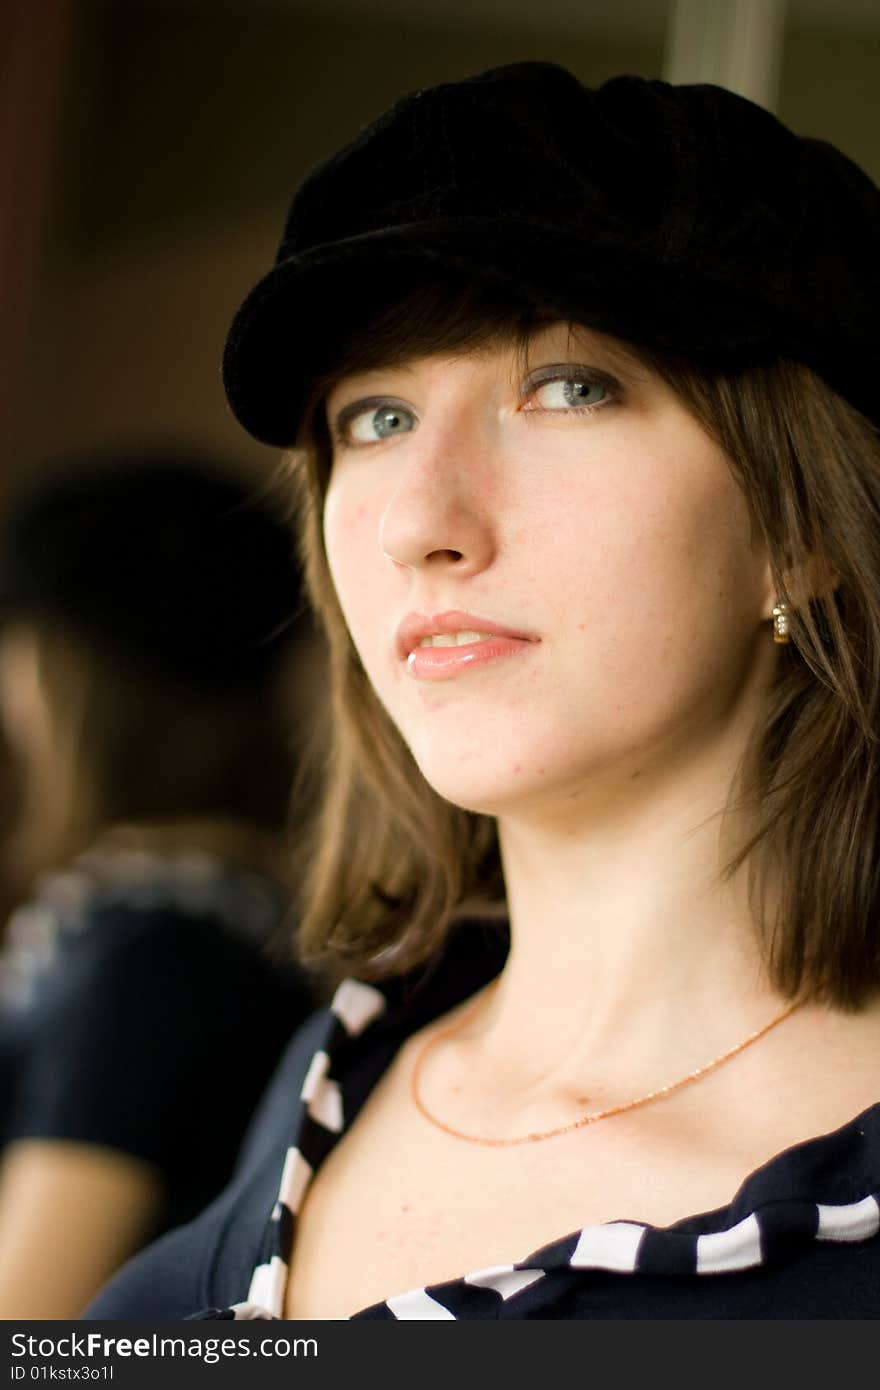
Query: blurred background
column 148, row 150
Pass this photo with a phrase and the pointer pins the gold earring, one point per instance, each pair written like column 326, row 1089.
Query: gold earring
column 780, row 623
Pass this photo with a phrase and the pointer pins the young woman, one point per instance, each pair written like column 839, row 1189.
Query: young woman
column 146, row 654
column 582, row 388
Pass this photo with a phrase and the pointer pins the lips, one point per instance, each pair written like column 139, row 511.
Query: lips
column 493, row 641
column 417, row 626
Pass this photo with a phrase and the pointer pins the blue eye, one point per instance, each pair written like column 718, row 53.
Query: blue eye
column 367, row 423
column 570, row 392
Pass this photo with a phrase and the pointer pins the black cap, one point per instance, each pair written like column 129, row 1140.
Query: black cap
column 683, row 218
column 176, row 566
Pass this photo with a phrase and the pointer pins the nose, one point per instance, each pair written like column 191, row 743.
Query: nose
column 440, row 513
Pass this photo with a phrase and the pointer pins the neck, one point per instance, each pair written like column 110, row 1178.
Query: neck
column 626, row 941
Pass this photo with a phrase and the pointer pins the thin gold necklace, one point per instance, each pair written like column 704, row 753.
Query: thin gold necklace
column 596, row 1115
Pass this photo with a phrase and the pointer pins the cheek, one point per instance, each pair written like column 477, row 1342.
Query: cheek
column 679, row 522
column 351, row 529
column 657, row 564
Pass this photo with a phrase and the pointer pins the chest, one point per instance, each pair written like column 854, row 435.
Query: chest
column 398, row 1205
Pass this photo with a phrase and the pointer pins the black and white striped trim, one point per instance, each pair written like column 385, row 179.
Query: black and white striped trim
column 354, row 1006
column 623, row 1247
column 615, row 1246
column 66, row 903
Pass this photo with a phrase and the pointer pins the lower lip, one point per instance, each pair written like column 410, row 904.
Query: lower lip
column 442, row 663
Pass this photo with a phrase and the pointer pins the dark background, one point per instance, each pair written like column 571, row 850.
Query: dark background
column 148, row 150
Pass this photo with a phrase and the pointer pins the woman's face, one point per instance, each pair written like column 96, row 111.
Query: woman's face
column 579, row 527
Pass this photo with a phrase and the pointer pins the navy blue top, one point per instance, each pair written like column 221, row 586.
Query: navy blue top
column 126, row 987
column 800, row 1239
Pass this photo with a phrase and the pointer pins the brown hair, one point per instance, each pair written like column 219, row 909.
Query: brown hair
column 390, row 862
column 130, row 747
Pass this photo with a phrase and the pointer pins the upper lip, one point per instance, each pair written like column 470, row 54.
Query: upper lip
column 416, row 626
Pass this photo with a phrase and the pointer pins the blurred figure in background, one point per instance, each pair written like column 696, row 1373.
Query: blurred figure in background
column 154, row 684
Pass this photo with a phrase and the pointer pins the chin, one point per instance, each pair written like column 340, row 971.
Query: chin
column 486, row 790
column 486, row 761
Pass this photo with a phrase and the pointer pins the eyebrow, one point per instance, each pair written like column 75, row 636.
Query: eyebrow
column 579, row 338
column 404, row 368
column 590, row 342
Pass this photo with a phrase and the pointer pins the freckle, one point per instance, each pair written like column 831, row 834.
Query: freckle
column 581, row 626
column 405, row 1207
column 541, row 771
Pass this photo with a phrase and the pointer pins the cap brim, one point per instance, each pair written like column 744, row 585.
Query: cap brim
column 285, row 332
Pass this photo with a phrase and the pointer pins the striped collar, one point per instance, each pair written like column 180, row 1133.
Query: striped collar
column 70, row 901
column 824, row 1190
